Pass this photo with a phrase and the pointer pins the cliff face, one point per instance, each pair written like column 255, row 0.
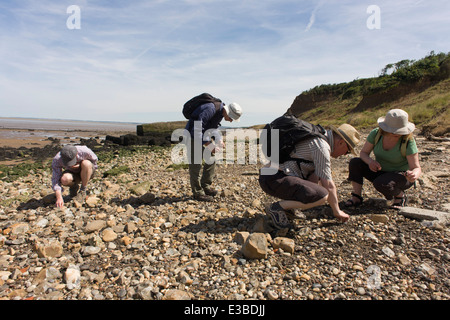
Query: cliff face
column 426, row 98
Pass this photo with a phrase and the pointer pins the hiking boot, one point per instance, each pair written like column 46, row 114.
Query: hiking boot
column 210, row 192
column 203, row 197
column 278, row 216
column 292, row 214
column 73, row 191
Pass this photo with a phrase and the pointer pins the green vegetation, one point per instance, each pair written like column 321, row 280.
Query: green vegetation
column 11, row 173
column 116, row 170
column 421, row 88
column 404, row 71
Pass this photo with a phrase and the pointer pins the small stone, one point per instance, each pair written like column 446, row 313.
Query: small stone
column 286, row 244
column 72, row 277
column 271, row 295
column 380, row 218
column 95, row 226
column 176, row 294
column 19, row 228
column 241, row 236
column 404, row 260
column 360, row 291
column 388, row 251
column 92, row 201
column 49, row 249
column 109, row 235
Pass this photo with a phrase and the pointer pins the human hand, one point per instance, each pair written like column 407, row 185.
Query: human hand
column 411, row 176
column 59, row 202
column 374, row 166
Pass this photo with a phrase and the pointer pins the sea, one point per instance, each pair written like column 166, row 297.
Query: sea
column 17, row 128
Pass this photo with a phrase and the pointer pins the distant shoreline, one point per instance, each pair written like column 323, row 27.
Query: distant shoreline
column 63, row 124
column 29, row 132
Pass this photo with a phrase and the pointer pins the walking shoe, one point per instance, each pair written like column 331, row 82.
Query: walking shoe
column 210, row 192
column 73, row 191
column 292, row 214
column 278, row 216
column 203, row 197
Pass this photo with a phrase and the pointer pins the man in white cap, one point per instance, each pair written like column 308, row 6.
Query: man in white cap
column 206, row 117
column 70, row 166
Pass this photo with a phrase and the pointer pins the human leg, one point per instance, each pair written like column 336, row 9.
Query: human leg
column 393, row 185
column 295, row 193
column 209, row 173
column 358, row 170
column 86, row 172
column 71, row 180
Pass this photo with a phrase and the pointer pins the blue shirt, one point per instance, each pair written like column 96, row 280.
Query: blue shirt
column 207, row 117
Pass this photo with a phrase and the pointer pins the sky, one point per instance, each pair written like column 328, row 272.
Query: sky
column 140, row 60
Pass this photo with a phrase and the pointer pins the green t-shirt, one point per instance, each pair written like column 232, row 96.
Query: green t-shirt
column 391, row 160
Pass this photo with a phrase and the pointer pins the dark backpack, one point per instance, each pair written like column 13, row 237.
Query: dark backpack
column 197, row 101
column 291, row 131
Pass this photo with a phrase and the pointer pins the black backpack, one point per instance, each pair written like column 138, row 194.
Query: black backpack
column 291, row 131
column 197, row 101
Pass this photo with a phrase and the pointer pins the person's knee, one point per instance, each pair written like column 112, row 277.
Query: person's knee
column 86, row 165
column 387, row 188
column 67, row 179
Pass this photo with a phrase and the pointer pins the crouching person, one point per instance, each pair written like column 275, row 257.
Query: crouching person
column 306, row 181
column 71, row 166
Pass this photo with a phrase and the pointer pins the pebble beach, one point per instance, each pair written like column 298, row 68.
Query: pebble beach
column 141, row 236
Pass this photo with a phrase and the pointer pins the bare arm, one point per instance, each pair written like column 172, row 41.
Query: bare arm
column 333, row 199
column 365, row 156
column 415, row 170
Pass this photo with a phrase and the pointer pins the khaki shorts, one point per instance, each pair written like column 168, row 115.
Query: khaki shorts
column 76, row 174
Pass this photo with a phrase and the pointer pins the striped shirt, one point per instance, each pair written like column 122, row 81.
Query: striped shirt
column 315, row 150
column 84, row 153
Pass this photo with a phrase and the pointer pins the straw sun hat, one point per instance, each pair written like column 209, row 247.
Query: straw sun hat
column 349, row 134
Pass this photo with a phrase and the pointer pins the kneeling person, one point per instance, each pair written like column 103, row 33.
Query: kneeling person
column 70, row 166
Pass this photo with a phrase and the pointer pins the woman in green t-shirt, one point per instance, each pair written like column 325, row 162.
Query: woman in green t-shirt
column 396, row 165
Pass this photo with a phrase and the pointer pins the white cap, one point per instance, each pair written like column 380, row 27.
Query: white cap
column 233, row 110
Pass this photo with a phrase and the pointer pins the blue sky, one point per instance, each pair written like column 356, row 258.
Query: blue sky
column 139, row 61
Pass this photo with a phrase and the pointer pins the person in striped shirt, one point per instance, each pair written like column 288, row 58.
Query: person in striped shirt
column 307, row 182
column 70, row 166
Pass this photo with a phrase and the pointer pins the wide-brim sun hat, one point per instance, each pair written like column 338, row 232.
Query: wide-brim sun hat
column 350, row 135
column 396, row 122
column 233, row 110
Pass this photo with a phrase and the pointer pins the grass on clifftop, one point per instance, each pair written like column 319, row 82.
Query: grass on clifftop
column 427, row 108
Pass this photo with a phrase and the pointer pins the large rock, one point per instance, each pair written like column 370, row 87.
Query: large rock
column 425, row 214
column 255, row 247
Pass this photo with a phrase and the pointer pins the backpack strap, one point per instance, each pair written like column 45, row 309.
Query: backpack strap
column 403, row 145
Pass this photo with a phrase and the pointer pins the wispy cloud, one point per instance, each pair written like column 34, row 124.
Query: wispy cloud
column 312, row 18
